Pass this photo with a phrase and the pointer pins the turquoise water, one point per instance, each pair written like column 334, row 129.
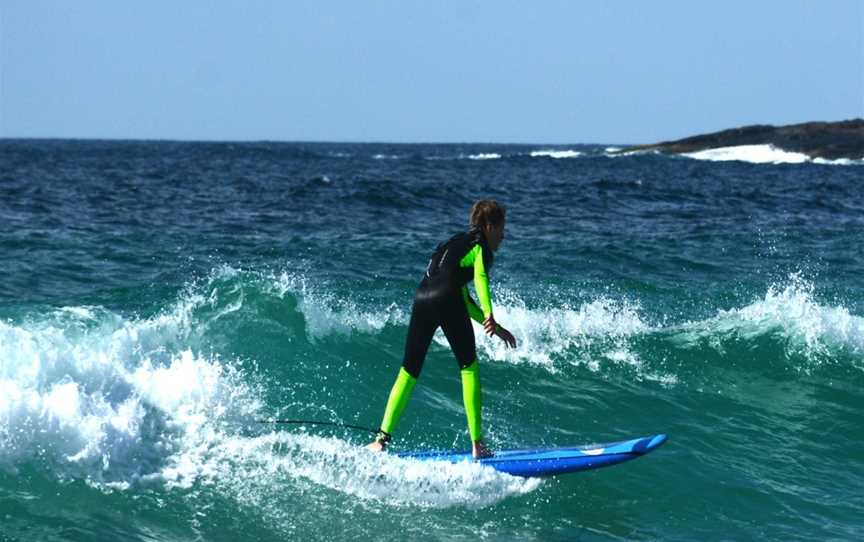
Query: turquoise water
column 159, row 298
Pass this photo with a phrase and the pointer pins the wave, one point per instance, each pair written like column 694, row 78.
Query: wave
column 555, row 154
column 325, row 313
column 762, row 154
column 604, row 333
column 757, row 154
column 613, row 152
column 542, row 153
column 810, row 333
column 596, row 334
column 124, row 403
column 268, row 467
column 546, row 332
column 119, row 401
column 591, row 334
column 839, row 162
column 103, row 407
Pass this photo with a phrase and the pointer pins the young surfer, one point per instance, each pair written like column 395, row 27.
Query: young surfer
column 442, row 300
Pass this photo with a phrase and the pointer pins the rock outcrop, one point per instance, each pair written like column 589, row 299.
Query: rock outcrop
column 828, row 140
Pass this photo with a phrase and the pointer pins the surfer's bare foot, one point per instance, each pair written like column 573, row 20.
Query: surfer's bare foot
column 382, row 439
column 479, row 450
column 376, row 446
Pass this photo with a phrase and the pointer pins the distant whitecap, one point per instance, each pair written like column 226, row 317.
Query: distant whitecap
column 756, row 154
column 556, row 154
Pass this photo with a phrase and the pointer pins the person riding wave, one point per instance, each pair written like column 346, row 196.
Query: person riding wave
column 442, row 300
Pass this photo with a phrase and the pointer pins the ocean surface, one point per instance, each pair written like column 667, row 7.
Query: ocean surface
column 159, row 298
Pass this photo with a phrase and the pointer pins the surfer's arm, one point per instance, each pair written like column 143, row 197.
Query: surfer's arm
column 473, row 310
column 481, row 286
column 481, row 283
column 482, row 311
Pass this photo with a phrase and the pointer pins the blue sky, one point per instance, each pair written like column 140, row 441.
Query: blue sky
column 412, row 71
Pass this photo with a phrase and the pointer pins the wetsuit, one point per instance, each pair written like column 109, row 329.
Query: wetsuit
column 442, row 300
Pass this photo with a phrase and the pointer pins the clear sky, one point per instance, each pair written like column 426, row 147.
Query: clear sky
column 424, row 71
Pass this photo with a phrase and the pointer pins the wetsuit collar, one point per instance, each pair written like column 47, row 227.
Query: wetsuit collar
column 477, row 230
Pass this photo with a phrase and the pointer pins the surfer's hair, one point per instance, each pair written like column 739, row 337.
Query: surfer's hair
column 487, row 212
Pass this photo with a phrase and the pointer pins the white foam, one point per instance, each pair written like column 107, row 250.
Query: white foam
column 326, row 314
column 107, row 400
column 812, row 330
column 555, row 154
column 119, row 403
column 118, row 419
column 839, row 162
column 616, row 154
column 756, row 154
column 554, row 337
column 595, row 334
column 274, row 463
column 485, row 156
column 592, row 334
column 81, row 312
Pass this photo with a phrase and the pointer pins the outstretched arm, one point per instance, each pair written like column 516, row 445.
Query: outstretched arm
column 481, row 286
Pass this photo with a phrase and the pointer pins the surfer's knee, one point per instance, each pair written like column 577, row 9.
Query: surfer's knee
column 412, row 368
column 472, row 366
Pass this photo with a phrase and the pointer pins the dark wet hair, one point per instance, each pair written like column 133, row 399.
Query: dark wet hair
column 487, row 211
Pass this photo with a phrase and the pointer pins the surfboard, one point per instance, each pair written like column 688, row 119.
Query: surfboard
column 551, row 461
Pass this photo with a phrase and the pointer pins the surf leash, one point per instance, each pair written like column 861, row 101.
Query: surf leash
column 317, row 422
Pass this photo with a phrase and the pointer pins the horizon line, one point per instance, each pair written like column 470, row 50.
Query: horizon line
column 294, row 141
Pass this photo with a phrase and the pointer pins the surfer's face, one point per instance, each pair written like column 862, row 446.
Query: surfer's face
column 494, row 235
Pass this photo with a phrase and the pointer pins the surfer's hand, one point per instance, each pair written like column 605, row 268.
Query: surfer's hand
column 490, row 326
column 506, row 336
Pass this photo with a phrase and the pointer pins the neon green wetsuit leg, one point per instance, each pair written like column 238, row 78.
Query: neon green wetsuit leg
column 471, row 398
column 399, row 396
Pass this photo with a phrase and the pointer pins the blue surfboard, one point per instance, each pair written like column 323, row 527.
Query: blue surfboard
column 551, row 461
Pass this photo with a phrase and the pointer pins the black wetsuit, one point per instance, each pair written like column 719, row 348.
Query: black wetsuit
column 442, row 300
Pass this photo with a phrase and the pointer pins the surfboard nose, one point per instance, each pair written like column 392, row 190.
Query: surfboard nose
column 647, row 444
column 656, row 442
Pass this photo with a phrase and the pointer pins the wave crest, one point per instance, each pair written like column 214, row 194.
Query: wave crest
column 806, row 329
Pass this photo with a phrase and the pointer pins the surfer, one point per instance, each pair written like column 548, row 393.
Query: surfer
column 442, row 300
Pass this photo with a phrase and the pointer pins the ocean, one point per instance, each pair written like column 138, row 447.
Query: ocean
column 159, row 299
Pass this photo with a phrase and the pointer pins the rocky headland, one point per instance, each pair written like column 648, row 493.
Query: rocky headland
column 827, row 140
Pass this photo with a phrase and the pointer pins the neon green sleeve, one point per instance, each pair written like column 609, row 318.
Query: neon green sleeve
column 473, row 310
column 481, row 280
column 481, row 284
